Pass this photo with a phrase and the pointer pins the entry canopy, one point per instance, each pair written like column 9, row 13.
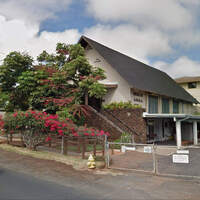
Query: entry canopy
column 174, row 116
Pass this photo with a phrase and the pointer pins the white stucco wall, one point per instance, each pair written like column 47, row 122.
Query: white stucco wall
column 122, row 92
column 195, row 92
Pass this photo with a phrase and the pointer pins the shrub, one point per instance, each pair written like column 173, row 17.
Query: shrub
column 37, row 127
column 34, row 126
column 121, row 105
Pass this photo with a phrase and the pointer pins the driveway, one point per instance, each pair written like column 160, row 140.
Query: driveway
column 52, row 180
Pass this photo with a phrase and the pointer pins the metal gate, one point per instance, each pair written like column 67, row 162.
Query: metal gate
column 131, row 156
column 155, row 159
column 179, row 163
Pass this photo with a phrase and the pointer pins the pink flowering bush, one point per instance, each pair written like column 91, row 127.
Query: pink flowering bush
column 37, row 127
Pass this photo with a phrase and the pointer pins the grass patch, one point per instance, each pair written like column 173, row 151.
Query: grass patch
column 75, row 161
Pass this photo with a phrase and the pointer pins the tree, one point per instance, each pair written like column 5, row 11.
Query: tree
column 13, row 66
column 78, row 73
column 58, row 81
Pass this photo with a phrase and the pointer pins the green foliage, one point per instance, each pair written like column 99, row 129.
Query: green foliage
column 13, row 66
column 196, row 113
column 121, row 105
column 65, row 113
column 126, row 138
column 60, row 81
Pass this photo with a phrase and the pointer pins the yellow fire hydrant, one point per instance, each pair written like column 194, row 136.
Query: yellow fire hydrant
column 91, row 162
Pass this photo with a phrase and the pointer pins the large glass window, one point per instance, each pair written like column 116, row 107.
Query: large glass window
column 153, row 104
column 175, row 106
column 165, row 105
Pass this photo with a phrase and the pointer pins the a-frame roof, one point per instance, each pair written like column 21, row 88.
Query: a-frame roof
column 138, row 74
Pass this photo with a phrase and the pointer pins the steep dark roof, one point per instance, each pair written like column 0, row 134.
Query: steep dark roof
column 138, row 74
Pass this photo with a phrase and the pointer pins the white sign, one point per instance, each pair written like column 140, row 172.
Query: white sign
column 124, row 149
column 183, row 151
column 147, row 149
column 178, row 158
column 138, row 99
column 130, row 148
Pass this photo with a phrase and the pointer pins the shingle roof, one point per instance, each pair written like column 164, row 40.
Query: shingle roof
column 138, row 74
column 187, row 79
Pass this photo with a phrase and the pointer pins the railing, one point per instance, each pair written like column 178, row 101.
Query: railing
column 130, row 129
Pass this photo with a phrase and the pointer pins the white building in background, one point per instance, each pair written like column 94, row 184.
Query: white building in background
column 191, row 84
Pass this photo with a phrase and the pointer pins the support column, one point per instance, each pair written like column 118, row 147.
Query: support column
column 178, row 134
column 195, row 136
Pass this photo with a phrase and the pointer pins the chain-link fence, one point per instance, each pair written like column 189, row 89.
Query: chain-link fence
column 182, row 163
column 155, row 159
column 129, row 156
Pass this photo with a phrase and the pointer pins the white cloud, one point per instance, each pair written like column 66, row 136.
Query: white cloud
column 32, row 11
column 168, row 15
column 176, row 19
column 128, row 39
column 16, row 35
column 183, row 66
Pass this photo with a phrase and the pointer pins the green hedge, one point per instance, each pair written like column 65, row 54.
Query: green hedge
column 121, row 105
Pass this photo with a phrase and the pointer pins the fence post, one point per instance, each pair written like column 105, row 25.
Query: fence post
column 155, row 170
column 11, row 138
column 7, row 138
column 21, row 138
column 94, row 147
column 112, row 149
column 79, row 145
column 106, row 150
column 50, row 143
column 83, row 148
column 63, row 145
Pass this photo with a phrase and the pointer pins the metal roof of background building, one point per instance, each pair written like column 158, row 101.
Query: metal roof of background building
column 138, row 74
column 187, row 79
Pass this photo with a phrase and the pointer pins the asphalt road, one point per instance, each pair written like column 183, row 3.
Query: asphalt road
column 19, row 186
column 23, row 177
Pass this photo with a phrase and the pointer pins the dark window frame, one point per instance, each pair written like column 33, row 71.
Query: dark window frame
column 153, row 104
column 175, row 107
column 165, row 107
column 192, row 85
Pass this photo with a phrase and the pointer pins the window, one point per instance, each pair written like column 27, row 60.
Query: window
column 175, row 106
column 153, row 104
column 183, row 110
column 192, row 85
column 165, row 105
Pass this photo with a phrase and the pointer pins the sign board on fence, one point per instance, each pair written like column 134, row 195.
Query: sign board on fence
column 147, row 149
column 124, row 149
column 130, row 148
column 180, row 158
column 183, row 151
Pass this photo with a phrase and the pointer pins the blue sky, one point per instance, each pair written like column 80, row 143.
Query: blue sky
column 75, row 17
column 163, row 34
